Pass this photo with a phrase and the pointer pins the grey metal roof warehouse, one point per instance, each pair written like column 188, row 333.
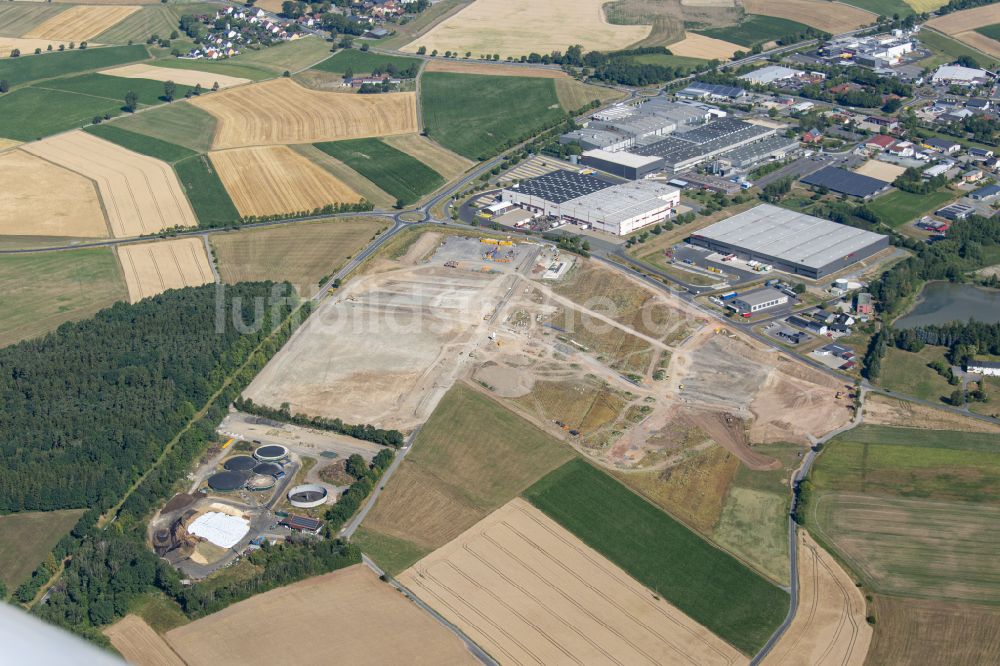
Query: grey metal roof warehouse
column 684, row 150
column 562, row 185
column 791, row 241
column 846, row 182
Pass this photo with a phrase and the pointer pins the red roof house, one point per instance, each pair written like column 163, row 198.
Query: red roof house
column 880, row 141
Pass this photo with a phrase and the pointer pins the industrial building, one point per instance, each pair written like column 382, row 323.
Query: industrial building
column 701, row 90
column 772, row 74
column 622, row 126
column 623, row 164
column 777, row 147
column 991, row 368
column 588, row 201
column 790, row 241
column 846, row 182
column 961, row 76
column 756, row 301
column 592, row 139
column 686, row 150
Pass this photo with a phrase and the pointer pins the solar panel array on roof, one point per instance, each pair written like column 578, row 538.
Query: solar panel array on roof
column 703, row 141
column 562, row 185
column 845, row 182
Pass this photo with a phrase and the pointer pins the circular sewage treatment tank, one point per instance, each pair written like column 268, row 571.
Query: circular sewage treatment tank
column 270, row 452
column 307, row 496
column 228, row 481
column 240, row 464
column 267, row 469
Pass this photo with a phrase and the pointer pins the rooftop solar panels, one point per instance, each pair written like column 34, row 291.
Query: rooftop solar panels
column 562, row 185
column 845, row 182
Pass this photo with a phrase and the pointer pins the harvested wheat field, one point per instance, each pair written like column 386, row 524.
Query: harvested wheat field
column 27, row 46
column 519, row 27
column 139, row 644
column 141, row 194
column 700, row 46
column 185, row 77
column 39, row 198
column 528, row 591
column 80, row 23
column 272, row 180
column 8, row 144
column 980, row 42
column 968, row 19
column 281, row 112
column 442, row 160
column 883, row 410
column 344, row 617
column 152, row 268
column 832, row 17
column 881, row 170
column 498, row 69
column 830, row 625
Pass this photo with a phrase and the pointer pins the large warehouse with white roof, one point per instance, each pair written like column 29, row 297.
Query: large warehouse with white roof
column 617, row 209
column 790, row 241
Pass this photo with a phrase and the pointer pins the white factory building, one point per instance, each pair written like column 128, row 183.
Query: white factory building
column 617, row 209
column 961, row 76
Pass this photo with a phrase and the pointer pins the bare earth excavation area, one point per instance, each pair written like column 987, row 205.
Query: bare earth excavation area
column 38, row 198
column 141, row 195
column 283, row 112
column 529, row 591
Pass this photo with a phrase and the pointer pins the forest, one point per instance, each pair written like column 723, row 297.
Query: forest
column 88, row 408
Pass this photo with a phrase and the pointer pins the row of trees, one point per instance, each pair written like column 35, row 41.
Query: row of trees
column 366, row 432
column 366, row 478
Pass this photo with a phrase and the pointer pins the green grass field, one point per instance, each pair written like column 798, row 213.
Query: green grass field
column 363, row 62
column 471, row 457
column 211, row 203
column 22, row 70
column 899, row 207
column 140, row 143
column 392, row 555
column 883, row 7
column 159, row 611
column 27, row 538
column 991, row 31
column 114, row 88
column 399, row 174
column 300, row 253
column 954, row 49
column 41, row 291
column 478, row 116
column 179, row 123
column 755, row 29
column 33, row 113
column 18, row 18
column 911, row 463
column 907, row 372
column 707, row 584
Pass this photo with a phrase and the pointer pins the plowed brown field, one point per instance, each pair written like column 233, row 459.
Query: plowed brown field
column 152, row 268
column 271, row 180
column 80, row 23
column 832, row 17
column 141, row 194
column 282, row 112
column 528, row 591
column 39, row 198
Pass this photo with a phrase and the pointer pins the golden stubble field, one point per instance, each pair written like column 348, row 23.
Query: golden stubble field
column 699, row 46
column 520, row 27
column 139, row 644
column 829, row 626
column 38, row 198
column 185, row 77
column 832, row 17
column 344, row 617
column 961, row 25
column 140, row 194
column 152, row 268
column 528, row 591
column 80, row 23
column 271, row 180
column 283, row 112
column 442, row 160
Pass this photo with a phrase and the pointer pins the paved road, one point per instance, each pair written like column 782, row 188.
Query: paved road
column 351, row 527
